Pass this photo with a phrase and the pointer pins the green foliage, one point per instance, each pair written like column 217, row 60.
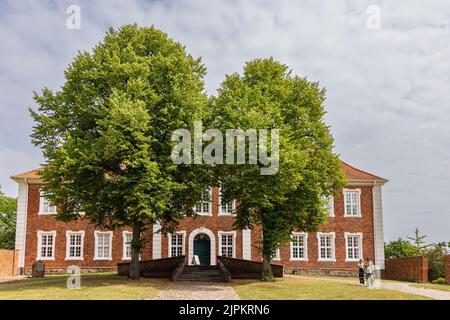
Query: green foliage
column 8, row 207
column 439, row 281
column 419, row 242
column 106, row 135
column 267, row 96
column 400, row 249
column 436, row 261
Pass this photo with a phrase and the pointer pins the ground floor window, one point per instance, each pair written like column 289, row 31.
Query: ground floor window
column 353, row 242
column 299, row 246
column 74, row 245
column 227, row 244
column 46, row 245
column 103, row 245
column 326, row 246
column 176, row 244
column 127, row 238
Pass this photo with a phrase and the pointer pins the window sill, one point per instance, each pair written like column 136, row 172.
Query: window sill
column 45, row 259
column 326, row 260
column 298, row 259
column 46, row 214
column 352, row 260
column 348, row 216
column 74, row 259
column 102, row 259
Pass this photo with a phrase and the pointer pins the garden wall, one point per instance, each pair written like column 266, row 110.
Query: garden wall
column 8, row 262
column 413, row 269
column 447, row 269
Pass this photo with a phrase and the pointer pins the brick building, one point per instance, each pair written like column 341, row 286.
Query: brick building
column 354, row 230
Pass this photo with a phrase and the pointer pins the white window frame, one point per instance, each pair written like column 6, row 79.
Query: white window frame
column 183, row 245
column 125, row 245
column 68, row 234
column 39, row 246
column 96, row 234
column 42, row 199
column 305, row 247
column 360, row 245
column 209, row 213
column 277, row 255
column 358, row 203
column 224, row 213
column 220, row 234
column 333, row 246
column 330, row 206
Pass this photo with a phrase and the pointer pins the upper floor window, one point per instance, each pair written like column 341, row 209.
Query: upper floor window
column 46, row 245
column 326, row 246
column 204, row 206
column 74, row 245
column 227, row 245
column 103, row 245
column 299, row 246
column 276, row 254
column 352, row 202
column 127, row 238
column 226, row 208
column 353, row 245
column 329, row 205
column 176, row 244
column 44, row 205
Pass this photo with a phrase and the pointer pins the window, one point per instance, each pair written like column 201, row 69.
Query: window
column 103, row 245
column 352, row 203
column 204, row 206
column 74, row 245
column 127, row 238
column 46, row 245
column 176, row 244
column 353, row 243
column 326, row 246
column 44, row 206
column 299, row 246
column 227, row 208
column 330, row 206
column 227, row 244
column 276, row 254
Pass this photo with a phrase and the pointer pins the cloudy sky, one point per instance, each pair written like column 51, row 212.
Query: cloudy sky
column 388, row 89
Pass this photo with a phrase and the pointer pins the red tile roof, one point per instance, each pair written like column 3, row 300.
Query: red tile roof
column 351, row 173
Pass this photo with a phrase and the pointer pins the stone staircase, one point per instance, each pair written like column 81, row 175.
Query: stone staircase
column 201, row 273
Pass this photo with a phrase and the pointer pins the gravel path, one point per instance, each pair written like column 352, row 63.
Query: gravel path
column 398, row 286
column 186, row 290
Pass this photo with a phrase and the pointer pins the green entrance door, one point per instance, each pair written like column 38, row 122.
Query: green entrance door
column 202, row 248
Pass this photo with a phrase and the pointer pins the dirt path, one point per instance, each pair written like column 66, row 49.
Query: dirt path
column 185, row 290
column 397, row 286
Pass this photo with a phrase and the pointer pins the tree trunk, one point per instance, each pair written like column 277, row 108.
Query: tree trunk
column 135, row 251
column 267, row 269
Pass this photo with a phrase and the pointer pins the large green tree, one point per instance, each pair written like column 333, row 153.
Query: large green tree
column 106, row 134
column 293, row 197
column 400, row 249
column 8, row 208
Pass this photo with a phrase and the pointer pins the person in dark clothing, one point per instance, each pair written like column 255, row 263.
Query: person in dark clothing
column 361, row 272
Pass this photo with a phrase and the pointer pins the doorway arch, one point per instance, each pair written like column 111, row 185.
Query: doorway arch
column 212, row 244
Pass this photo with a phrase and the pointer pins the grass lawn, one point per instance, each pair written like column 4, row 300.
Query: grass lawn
column 93, row 287
column 443, row 287
column 295, row 288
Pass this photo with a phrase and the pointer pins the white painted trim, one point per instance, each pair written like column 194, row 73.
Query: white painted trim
column 21, row 221
column 277, row 255
column 361, row 254
column 233, row 233
column 305, row 247
column 247, row 244
column 221, row 213
column 156, row 241
column 333, row 251
column 210, row 205
column 41, row 206
column 359, row 215
column 68, row 233
column 331, row 204
column 124, row 245
column 378, row 226
column 212, row 238
column 96, row 233
column 40, row 233
column 183, row 245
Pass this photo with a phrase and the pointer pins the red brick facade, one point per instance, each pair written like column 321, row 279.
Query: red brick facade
column 213, row 224
column 413, row 269
column 447, row 269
